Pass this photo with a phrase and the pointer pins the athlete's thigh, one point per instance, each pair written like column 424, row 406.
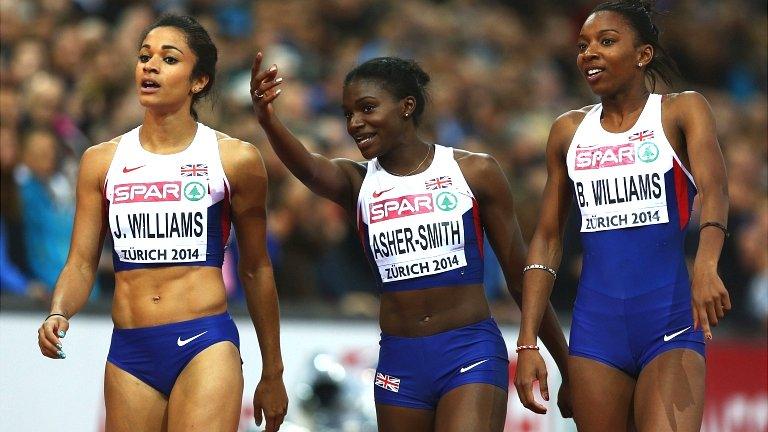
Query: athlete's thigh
column 669, row 395
column 132, row 404
column 393, row 418
column 601, row 395
column 208, row 394
column 472, row 407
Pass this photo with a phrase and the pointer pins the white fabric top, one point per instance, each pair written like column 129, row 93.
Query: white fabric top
column 618, row 178
column 170, row 208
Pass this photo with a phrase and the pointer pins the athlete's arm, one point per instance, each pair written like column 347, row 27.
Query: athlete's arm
column 697, row 123
column 545, row 248
column 248, row 179
column 494, row 195
column 75, row 281
column 328, row 178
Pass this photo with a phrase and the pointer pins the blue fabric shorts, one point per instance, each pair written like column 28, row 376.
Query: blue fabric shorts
column 628, row 333
column 157, row 355
column 417, row 372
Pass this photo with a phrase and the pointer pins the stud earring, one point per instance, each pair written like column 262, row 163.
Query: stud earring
column 640, row 65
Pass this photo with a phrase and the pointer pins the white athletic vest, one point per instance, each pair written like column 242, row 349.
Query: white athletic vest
column 168, row 209
column 421, row 230
column 619, row 178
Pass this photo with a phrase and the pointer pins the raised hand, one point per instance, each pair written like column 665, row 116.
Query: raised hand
column 263, row 92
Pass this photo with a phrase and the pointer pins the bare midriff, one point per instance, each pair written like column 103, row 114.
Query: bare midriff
column 433, row 310
column 150, row 297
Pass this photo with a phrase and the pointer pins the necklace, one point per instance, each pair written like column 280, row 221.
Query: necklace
column 429, row 151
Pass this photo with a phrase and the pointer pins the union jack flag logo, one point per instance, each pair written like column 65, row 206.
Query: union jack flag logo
column 194, row 170
column 387, row 382
column 438, row 183
column 641, row 136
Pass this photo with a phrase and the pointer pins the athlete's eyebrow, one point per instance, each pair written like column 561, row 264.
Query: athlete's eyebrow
column 581, row 35
column 165, row 47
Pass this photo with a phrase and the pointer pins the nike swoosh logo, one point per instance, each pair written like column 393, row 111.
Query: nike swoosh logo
column 668, row 338
column 377, row 194
column 127, row 170
column 464, row 369
column 181, row 342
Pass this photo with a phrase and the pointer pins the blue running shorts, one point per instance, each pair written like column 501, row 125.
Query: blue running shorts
column 627, row 333
column 157, row 355
column 417, row 372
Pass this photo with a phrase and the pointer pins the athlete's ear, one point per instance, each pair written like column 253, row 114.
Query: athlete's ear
column 407, row 107
column 199, row 83
column 644, row 55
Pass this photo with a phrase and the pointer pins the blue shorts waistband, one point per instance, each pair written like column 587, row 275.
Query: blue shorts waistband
column 163, row 328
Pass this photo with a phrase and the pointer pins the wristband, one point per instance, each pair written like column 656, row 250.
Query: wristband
column 540, row 267
column 526, row 347
column 716, row 225
column 56, row 314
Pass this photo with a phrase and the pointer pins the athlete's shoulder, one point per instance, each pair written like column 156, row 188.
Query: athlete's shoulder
column 101, row 153
column 237, row 154
column 571, row 119
column 352, row 166
column 685, row 106
column 684, row 100
column 477, row 167
column 564, row 128
column 465, row 157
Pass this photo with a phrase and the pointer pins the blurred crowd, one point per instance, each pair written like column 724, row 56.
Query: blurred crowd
column 501, row 72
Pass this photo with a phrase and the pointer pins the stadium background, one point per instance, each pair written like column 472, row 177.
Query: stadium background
column 501, row 72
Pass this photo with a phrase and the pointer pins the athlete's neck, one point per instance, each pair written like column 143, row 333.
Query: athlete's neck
column 406, row 157
column 167, row 133
column 626, row 101
column 621, row 109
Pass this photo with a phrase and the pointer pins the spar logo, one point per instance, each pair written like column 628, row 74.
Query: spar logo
column 604, row 157
column 147, row 192
column 194, row 191
column 446, row 201
column 403, row 206
column 648, row 152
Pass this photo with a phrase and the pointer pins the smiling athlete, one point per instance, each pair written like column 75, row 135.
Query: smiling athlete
column 421, row 211
column 633, row 163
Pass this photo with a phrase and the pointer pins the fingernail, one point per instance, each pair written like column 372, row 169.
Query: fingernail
column 63, row 356
column 273, row 68
column 60, row 354
column 62, row 333
column 278, row 91
column 279, row 80
column 58, row 345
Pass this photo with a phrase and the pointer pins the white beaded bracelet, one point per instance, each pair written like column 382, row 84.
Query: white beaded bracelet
column 540, row 267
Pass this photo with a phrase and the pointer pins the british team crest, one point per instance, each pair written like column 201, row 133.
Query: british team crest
column 641, row 136
column 194, row 170
column 387, row 382
column 436, row 183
